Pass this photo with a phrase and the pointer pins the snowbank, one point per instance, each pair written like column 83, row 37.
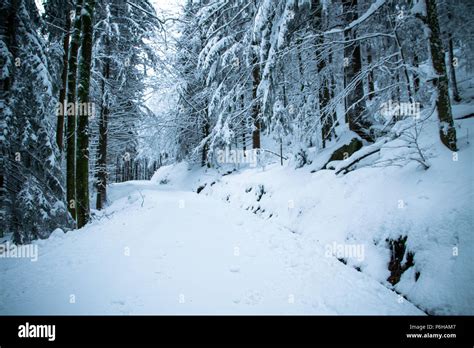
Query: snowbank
column 375, row 205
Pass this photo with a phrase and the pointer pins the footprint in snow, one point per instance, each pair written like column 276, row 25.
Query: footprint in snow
column 253, row 298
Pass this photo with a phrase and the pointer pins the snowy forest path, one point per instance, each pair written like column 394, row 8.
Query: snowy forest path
column 156, row 251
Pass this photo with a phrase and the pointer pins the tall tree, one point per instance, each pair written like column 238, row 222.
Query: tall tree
column 62, row 93
column 355, row 102
column 451, row 61
column 101, row 164
column 256, row 102
column 82, row 153
column 58, row 27
column 447, row 131
column 71, row 112
column 32, row 201
column 452, row 69
column 8, row 52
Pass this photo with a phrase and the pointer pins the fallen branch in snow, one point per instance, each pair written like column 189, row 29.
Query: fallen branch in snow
column 355, row 161
column 465, row 117
column 360, row 155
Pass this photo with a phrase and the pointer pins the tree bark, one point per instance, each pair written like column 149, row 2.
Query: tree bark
column 324, row 91
column 370, row 77
column 447, row 131
column 355, row 105
column 205, row 148
column 71, row 118
column 452, row 71
column 82, row 154
column 256, row 104
column 405, row 70
column 416, row 78
column 102, row 148
column 62, row 92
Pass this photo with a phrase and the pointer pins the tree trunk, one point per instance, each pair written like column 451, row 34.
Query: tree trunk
column 82, row 154
column 102, row 148
column 62, row 92
column 452, row 71
column 324, row 92
column 416, row 78
column 205, row 148
column 244, row 128
column 256, row 104
column 355, row 105
column 71, row 117
column 370, row 76
column 447, row 131
column 405, row 70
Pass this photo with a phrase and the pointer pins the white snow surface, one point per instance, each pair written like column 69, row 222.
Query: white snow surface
column 200, row 257
column 162, row 248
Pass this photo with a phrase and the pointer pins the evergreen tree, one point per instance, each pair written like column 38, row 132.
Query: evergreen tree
column 58, row 26
column 32, row 195
column 71, row 112
column 82, row 147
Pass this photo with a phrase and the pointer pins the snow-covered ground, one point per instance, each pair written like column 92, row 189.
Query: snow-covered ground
column 373, row 205
column 265, row 241
column 169, row 251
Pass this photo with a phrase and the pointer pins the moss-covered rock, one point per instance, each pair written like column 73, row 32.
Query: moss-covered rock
column 345, row 151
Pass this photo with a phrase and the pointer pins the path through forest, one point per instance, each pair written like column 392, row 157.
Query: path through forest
column 157, row 251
